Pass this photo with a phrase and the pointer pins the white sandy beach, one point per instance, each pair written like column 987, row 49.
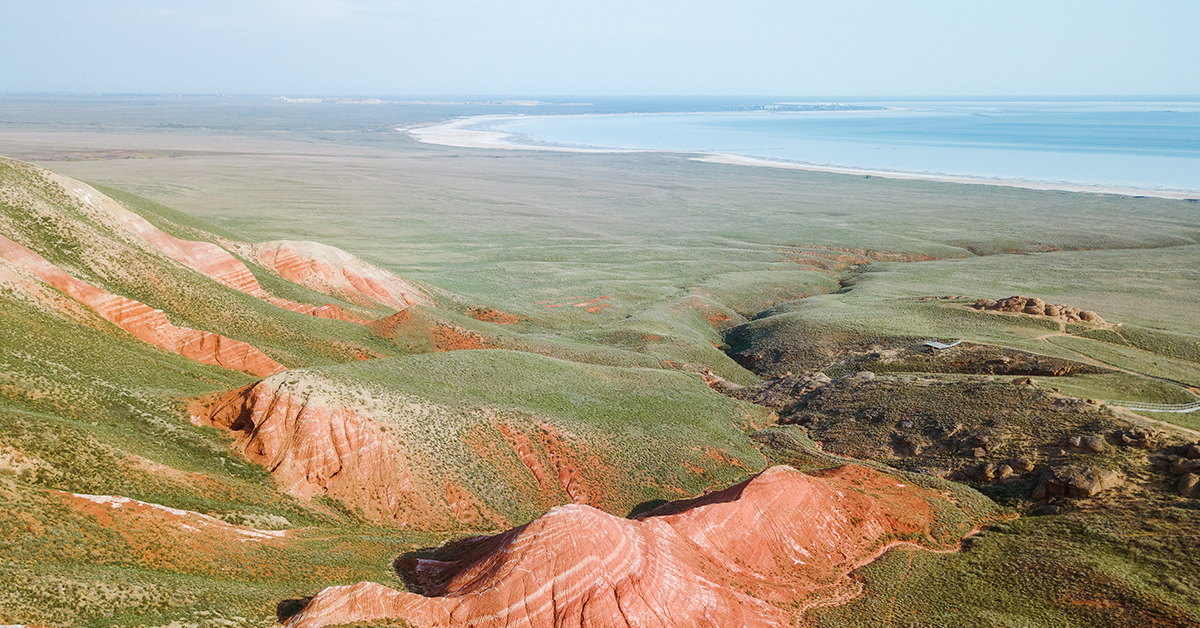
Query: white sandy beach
column 458, row 134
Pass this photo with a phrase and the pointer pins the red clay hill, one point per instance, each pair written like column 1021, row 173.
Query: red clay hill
column 755, row 554
column 101, row 235
column 21, row 266
column 313, row 447
column 317, row 266
column 337, row 273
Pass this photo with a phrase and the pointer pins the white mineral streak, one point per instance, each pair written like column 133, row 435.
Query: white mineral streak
column 116, row 501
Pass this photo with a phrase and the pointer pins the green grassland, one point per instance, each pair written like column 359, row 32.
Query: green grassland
column 513, row 229
column 1126, row 567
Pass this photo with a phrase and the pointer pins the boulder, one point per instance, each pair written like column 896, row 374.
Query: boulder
column 1189, row 485
column 1076, row 481
column 1138, row 437
column 987, row 473
column 1190, row 451
column 1181, row 466
column 1091, row 444
column 908, row 444
column 862, row 376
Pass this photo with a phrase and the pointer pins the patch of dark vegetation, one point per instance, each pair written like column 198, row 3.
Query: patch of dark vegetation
column 645, row 507
column 1012, row 440
column 903, row 355
column 1106, row 541
column 900, row 357
column 286, row 609
column 805, row 347
column 966, row 358
column 464, row 551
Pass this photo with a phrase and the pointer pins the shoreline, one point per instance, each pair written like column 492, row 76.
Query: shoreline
column 455, row 135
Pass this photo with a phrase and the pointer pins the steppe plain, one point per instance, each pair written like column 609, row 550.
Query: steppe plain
column 618, row 312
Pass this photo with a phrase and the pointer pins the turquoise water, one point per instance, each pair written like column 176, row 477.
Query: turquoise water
column 1152, row 145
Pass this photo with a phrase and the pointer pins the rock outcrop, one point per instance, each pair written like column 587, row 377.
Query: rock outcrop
column 1186, row 464
column 782, row 392
column 1037, row 307
column 1189, row 485
column 1091, row 443
column 141, row 320
column 1076, row 481
column 332, row 271
column 755, row 554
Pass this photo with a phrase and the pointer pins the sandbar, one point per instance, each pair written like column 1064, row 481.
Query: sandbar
column 455, row 133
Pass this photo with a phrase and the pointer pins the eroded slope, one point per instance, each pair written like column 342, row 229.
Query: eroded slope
column 755, row 554
column 463, row 438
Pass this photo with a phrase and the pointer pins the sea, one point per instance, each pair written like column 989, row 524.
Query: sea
column 1147, row 144
column 1140, row 143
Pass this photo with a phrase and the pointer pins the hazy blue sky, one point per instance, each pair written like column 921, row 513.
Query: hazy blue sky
column 601, row 47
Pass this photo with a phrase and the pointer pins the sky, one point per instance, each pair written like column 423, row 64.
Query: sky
column 387, row 48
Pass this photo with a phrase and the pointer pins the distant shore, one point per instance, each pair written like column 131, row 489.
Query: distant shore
column 455, row 133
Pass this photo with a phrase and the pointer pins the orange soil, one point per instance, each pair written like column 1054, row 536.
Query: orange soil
column 144, row 322
column 441, row 335
column 591, row 305
column 489, row 315
column 723, row 458
column 466, row 508
column 837, row 258
column 387, row 327
column 718, row 319
column 524, row 450
column 557, row 467
column 566, row 467
column 752, row 555
column 454, row 338
column 184, row 541
column 316, row 447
